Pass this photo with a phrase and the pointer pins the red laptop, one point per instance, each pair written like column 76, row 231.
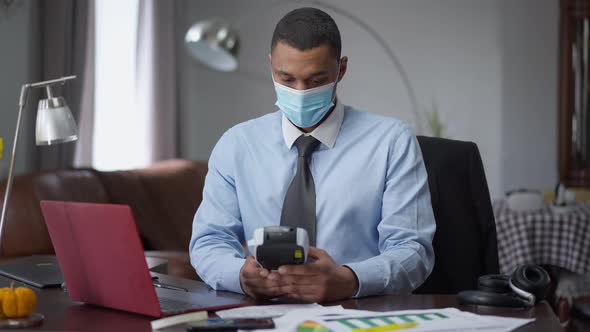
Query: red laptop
column 103, row 263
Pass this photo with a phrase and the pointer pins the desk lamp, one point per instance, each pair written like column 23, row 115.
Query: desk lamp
column 55, row 125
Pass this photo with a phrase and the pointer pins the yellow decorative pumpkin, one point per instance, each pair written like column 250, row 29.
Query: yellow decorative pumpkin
column 17, row 302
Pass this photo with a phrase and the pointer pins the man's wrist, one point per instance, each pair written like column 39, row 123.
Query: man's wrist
column 352, row 280
column 241, row 283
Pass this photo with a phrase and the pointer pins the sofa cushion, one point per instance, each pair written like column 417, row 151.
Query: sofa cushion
column 164, row 198
column 25, row 232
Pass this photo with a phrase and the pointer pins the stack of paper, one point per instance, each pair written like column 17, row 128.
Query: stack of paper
column 338, row 319
column 264, row 311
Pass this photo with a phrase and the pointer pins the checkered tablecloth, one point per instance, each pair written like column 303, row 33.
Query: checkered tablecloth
column 543, row 237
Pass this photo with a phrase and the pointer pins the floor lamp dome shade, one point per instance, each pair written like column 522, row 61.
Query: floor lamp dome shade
column 214, row 43
column 55, row 122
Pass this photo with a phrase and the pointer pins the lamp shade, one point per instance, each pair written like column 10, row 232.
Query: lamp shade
column 214, row 43
column 55, row 123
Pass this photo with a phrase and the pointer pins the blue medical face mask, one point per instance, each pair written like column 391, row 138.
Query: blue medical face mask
column 305, row 108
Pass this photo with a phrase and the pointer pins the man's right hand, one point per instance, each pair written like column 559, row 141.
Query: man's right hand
column 257, row 281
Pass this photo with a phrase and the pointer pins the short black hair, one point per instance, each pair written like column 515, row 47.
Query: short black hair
column 307, row 28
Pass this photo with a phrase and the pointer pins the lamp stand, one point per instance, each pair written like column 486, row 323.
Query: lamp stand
column 21, row 105
column 24, row 92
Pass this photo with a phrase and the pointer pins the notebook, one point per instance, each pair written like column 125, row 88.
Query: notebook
column 38, row 270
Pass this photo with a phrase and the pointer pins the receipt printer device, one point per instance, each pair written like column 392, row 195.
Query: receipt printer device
column 273, row 246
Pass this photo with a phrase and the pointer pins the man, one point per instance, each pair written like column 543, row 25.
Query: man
column 357, row 179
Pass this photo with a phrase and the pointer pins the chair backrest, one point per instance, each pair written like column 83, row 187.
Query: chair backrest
column 465, row 243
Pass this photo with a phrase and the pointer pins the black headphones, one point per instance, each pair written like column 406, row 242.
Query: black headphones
column 527, row 285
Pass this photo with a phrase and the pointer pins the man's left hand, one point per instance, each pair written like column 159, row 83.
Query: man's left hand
column 320, row 281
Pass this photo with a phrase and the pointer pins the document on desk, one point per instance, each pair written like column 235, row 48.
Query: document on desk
column 264, row 311
column 346, row 320
column 178, row 319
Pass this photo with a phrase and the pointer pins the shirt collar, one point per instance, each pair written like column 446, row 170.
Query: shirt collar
column 326, row 133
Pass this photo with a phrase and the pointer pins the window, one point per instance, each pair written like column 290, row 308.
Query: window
column 120, row 130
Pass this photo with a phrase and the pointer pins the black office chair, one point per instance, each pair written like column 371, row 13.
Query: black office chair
column 465, row 242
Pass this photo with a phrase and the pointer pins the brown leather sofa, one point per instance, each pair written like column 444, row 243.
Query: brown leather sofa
column 163, row 197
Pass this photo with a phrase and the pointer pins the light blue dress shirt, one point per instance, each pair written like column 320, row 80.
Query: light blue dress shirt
column 373, row 203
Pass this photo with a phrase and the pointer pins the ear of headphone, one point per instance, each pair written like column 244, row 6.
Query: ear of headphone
column 494, row 283
column 531, row 282
column 527, row 285
column 477, row 297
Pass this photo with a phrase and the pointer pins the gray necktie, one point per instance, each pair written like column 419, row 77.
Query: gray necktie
column 299, row 204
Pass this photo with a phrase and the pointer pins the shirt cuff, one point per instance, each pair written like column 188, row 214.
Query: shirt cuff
column 230, row 277
column 370, row 275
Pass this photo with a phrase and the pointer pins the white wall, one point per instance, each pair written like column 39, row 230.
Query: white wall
column 490, row 66
column 529, row 93
column 17, row 40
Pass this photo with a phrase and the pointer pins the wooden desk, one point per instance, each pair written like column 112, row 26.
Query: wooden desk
column 63, row 314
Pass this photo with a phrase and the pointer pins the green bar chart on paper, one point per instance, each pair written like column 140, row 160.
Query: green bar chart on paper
column 383, row 320
column 429, row 320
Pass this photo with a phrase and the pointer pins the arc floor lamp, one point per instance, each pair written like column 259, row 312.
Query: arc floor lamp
column 216, row 43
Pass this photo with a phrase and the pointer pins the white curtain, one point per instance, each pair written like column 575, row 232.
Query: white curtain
column 156, row 76
column 83, row 150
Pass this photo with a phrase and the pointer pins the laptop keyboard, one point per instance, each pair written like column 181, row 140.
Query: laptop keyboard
column 172, row 305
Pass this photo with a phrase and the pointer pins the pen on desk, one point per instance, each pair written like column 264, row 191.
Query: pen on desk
column 161, row 285
column 390, row 327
